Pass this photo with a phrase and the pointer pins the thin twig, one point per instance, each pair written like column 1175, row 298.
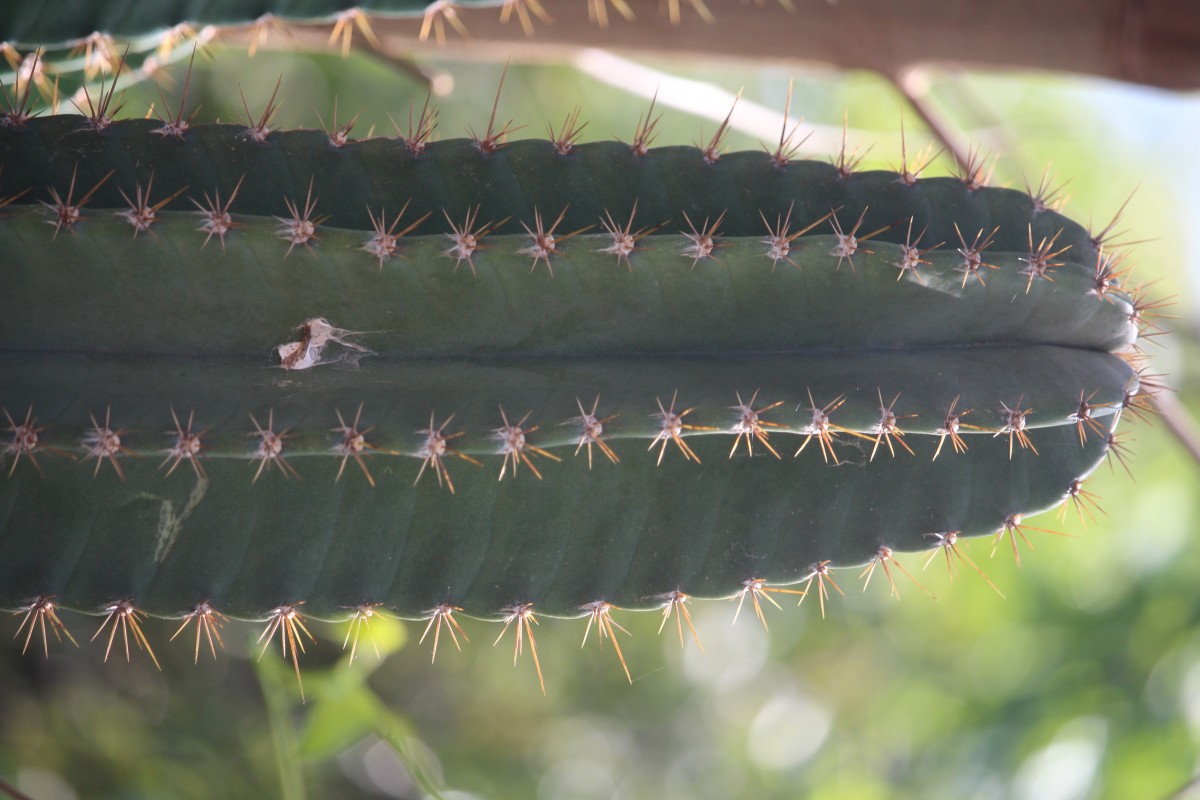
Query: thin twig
column 1181, row 424
column 1183, row 791
column 12, row 791
column 938, row 126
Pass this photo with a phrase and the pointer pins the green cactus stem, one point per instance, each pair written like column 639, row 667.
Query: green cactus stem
column 259, row 369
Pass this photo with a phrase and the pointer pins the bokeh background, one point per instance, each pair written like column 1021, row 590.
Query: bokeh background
column 1082, row 682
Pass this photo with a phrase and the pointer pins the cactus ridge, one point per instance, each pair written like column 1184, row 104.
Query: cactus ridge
column 401, row 395
column 508, row 185
column 338, row 543
column 428, row 300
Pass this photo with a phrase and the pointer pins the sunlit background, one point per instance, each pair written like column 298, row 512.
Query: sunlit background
column 1082, row 682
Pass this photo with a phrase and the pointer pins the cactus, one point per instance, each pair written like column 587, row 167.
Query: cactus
column 258, row 374
column 571, row 377
column 541, row 312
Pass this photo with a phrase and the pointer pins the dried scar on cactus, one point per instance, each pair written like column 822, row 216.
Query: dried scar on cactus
column 321, row 343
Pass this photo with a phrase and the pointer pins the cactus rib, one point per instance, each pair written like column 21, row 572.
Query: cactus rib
column 510, row 183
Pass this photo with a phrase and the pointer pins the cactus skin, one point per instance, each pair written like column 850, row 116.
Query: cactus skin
column 470, row 341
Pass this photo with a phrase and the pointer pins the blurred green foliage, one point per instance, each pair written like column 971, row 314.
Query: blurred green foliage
column 1083, row 683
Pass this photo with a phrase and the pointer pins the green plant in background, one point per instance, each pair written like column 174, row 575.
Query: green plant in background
column 705, row 305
